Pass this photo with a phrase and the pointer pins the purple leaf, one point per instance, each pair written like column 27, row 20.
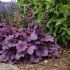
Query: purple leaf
column 39, row 53
column 54, row 47
column 31, row 49
column 45, row 52
column 33, row 36
column 48, row 38
column 55, row 54
column 12, row 57
column 21, row 46
column 17, row 56
column 34, row 59
column 4, row 57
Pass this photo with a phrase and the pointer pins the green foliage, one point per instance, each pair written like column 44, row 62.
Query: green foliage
column 59, row 21
column 58, row 14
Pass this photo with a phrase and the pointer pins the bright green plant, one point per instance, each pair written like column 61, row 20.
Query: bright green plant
column 58, row 14
column 59, row 21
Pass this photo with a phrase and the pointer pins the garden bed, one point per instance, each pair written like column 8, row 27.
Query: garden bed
column 29, row 38
column 49, row 64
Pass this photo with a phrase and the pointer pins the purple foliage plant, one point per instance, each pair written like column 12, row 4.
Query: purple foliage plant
column 28, row 44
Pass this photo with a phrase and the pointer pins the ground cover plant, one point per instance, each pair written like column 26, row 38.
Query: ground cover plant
column 29, row 44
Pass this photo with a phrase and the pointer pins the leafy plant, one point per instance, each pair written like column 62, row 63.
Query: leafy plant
column 27, row 44
column 54, row 15
column 59, row 22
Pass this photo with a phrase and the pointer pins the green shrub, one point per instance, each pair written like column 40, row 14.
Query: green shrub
column 53, row 14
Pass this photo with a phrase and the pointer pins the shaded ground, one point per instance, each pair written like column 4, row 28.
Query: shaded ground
column 49, row 64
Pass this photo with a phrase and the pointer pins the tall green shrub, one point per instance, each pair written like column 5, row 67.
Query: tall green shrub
column 54, row 14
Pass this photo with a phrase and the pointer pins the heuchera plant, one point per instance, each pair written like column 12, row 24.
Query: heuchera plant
column 29, row 44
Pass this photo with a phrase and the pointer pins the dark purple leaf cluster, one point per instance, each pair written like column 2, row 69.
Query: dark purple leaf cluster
column 27, row 44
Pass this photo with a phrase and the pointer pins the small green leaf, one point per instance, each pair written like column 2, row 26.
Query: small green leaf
column 68, row 31
column 59, row 21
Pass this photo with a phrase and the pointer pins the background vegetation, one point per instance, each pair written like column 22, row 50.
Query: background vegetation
column 53, row 14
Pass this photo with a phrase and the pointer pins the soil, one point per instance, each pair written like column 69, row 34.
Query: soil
column 63, row 63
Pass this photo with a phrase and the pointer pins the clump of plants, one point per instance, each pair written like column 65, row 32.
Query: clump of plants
column 30, row 44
